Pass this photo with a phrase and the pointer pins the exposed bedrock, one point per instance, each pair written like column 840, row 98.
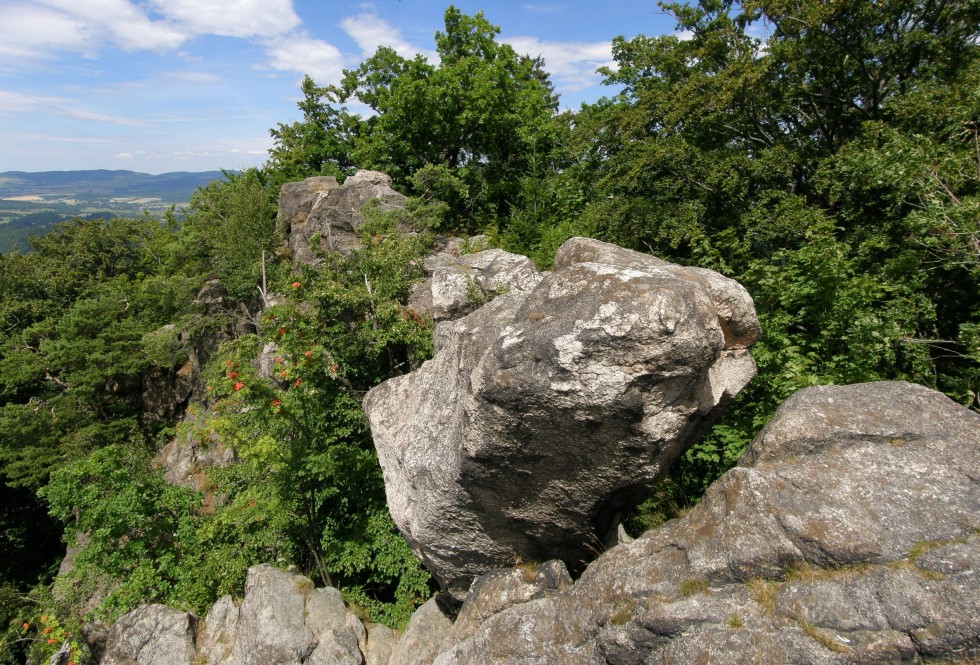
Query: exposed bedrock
column 848, row 533
column 319, row 214
column 546, row 414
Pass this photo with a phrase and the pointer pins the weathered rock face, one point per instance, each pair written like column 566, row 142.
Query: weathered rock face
column 849, row 533
column 546, row 414
column 332, row 212
column 458, row 284
column 296, row 199
column 151, row 635
column 282, row 620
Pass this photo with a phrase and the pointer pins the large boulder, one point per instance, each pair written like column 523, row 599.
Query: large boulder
column 151, row 635
column 849, row 533
column 547, row 414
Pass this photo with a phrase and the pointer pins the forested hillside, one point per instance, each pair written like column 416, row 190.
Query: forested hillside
column 832, row 168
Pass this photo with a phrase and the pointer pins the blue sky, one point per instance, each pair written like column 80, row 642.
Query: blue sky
column 195, row 85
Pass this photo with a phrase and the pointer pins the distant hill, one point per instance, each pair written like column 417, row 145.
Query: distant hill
column 174, row 187
column 32, row 203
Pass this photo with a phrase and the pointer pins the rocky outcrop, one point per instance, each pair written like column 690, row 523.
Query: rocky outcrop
column 320, row 210
column 282, row 619
column 546, row 414
column 296, row 199
column 186, row 458
column 849, row 533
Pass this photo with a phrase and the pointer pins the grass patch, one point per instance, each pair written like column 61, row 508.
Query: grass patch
column 692, row 586
column 820, row 636
column 763, row 592
column 735, row 622
column 623, row 614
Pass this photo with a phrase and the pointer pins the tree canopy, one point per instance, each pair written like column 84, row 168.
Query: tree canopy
column 824, row 154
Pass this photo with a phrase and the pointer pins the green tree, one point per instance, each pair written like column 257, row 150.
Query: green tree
column 233, row 221
column 320, row 144
column 831, row 167
column 483, row 112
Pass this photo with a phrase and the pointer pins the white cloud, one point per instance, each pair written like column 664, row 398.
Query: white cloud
column 572, row 64
column 369, row 31
column 100, row 117
column 231, row 18
column 542, row 8
column 17, row 102
column 39, row 29
column 193, row 78
column 122, row 23
column 31, row 32
column 301, row 54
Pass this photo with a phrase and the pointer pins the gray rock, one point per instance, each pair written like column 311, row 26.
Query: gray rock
column 337, row 632
column 186, row 459
column 466, row 283
column 849, row 533
column 463, row 275
column 332, row 213
column 272, row 626
column 545, row 415
column 151, row 635
column 381, row 644
column 495, row 591
column 296, row 199
column 282, row 619
column 219, row 632
column 425, row 636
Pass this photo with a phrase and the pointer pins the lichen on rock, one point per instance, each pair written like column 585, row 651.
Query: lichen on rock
column 547, row 414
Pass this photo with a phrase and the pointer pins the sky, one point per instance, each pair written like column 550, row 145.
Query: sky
column 195, row 85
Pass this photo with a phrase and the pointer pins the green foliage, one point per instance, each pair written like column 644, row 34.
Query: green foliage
column 234, row 221
column 319, row 145
column 832, row 168
column 74, row 313
column 299, row 430
column 35, row 629
column 306, row 489
column 473, row 137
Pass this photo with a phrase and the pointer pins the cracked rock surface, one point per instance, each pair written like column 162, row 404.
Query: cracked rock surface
column 849, row 533
column 547, row 413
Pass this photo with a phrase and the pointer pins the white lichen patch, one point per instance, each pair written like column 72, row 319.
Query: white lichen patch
column 510, row 336
column 569, row 348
